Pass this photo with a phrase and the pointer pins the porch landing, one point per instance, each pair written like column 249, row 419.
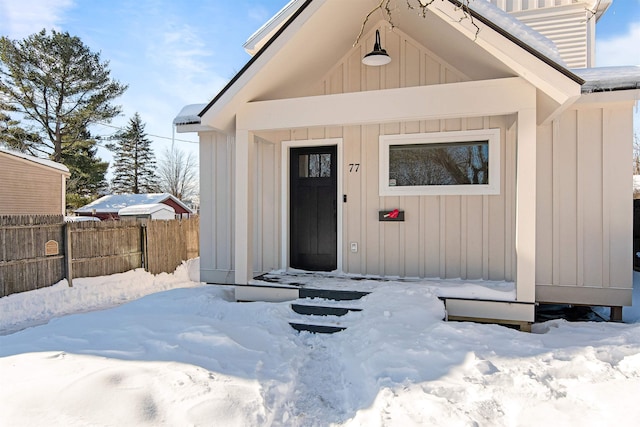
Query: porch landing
column 474, row 300
column 450, row 288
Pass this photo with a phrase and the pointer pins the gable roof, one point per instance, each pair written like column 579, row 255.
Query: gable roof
column 38, row 161
column 112, row 203
column 299, row 12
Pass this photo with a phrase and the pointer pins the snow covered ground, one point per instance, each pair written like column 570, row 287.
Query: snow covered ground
column 139, row 350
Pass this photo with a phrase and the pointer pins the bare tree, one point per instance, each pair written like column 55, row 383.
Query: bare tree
column 178, row 173
column 388, row 8
column 422, row 6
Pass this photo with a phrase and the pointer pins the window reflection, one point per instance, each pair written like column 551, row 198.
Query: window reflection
column 457, row 163
column 314, row 166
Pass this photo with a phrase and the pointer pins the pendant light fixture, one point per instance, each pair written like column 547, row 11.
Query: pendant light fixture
column 378, row 56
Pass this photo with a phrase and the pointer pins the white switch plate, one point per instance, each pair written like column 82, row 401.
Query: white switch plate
column 354, row 247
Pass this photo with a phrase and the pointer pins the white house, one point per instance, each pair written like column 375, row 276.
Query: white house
column 477, row 152
column 158, row 211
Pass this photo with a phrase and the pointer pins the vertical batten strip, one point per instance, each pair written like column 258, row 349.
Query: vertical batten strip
column 485, row 219
column 555, row 147
column 464, row 226
column 579, row 159
column 606, row 204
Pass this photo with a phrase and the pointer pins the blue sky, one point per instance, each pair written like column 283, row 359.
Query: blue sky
column 172, row 53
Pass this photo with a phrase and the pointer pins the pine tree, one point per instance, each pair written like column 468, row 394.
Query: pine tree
column 88, row 172
column 14, row 136
column 52, row 87
column 56, row 86
column 134, row 162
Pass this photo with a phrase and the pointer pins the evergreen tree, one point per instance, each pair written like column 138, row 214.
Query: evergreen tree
column 88, row 172
column 57, row 87
column 13, row 136
column 134, row 162
column 52, row 87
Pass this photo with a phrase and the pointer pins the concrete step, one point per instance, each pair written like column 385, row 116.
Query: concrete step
column 316, row 329
column 332, row 294
column 322, row 310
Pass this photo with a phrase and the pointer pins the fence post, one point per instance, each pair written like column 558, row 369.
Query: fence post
column 67, row 253
column 145, row 246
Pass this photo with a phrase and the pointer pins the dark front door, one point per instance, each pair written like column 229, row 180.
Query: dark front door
column 313, row 208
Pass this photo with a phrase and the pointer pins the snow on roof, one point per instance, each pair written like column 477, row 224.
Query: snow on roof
column 112, row 203
column 519, row 30
column 189, row 114
column 603, row 79
column 43, row 162
column 147, row 209
column 257, row 39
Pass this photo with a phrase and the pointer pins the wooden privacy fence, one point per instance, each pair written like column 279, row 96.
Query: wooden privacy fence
column 170, row 242
column 31, row 252
column 102, row 248
column 39, row 251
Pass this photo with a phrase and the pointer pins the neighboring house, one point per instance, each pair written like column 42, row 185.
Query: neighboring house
column 148, row 211
column 502, row 162
column 107, row 207
column 30, row 185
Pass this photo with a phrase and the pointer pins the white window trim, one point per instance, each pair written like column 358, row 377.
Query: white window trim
column 492, row 135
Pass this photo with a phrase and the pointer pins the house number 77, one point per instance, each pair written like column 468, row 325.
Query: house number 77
column 354, row 167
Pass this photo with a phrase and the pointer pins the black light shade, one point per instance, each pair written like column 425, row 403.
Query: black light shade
column 378, row 56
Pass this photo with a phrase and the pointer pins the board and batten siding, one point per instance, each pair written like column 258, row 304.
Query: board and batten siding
column 29, row 188
column 216, row 208
column 584, row 245
column 217, row 219
column 470, row 237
